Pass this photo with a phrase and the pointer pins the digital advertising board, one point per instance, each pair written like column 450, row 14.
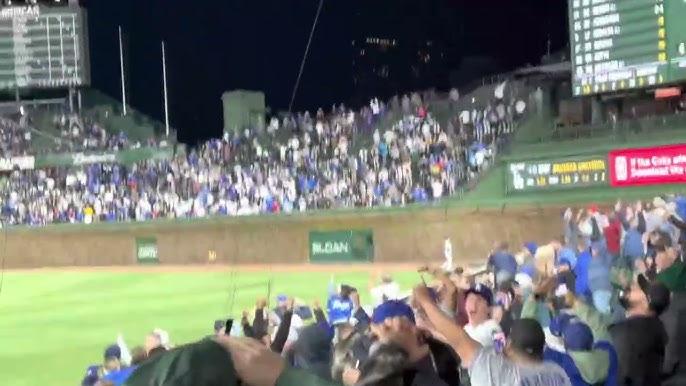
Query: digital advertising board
column 648, row 166
column 555, row 174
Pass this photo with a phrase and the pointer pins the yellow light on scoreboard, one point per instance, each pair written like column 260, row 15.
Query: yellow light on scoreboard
column 641, row 80
column 661, row 21
column 621, row 84
column 661, row 33
column 660, row 78
column 662, row 57
column 661, row 45
column 602, row 87
column 587, row 89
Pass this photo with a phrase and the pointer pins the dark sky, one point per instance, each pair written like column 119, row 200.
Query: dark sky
column 214, row 46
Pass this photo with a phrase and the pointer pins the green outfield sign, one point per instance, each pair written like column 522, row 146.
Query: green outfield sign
column 345, row 246
column 557, row 174
column 146, row 250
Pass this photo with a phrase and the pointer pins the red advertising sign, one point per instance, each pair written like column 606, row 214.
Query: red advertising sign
column 648, row 166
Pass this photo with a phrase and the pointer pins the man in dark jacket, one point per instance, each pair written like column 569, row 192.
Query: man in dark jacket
column 640, row 340
column 312, row 351
column 673, row 275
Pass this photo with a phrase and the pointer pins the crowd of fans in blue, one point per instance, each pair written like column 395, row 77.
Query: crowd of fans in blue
column 602, row 305
column 341, row 159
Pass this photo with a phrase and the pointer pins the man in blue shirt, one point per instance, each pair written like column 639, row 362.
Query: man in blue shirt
column 503, row 264
column 340, row 306
column 111, row 363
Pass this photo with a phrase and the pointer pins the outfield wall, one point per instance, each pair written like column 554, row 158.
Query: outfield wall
column 399, row 236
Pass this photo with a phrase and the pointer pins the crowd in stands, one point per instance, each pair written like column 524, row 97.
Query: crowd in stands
column 344, row 159
column 62, row 130
column 13, row 139
column 602, row 305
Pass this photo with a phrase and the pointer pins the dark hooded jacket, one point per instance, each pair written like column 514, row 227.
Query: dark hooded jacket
column 388, row 365
column 440, row 367
column 313, row 350
column 674, row 320
column 640, row 344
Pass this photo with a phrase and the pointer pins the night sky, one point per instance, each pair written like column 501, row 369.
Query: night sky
column 219, row 45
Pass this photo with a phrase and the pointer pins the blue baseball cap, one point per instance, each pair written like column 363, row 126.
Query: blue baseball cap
column 92, row 375
column 481, row 290
column 112, row 351
column 577, row 336
column 392, row 309
column 281, row 298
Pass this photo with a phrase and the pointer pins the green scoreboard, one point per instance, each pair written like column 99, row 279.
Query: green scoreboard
column 626, row 44
column 556, row 174
column 43, row 47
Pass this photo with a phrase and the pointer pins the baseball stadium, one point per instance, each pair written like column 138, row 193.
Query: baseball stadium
column 525, row 201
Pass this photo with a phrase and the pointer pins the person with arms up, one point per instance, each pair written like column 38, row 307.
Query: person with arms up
column 111, row 363
column 520, row 362
column 586, row 361
column 640, row 339
column 433, row 363
column 545, row 258
column 578, row 344
column 255, row 365
column 672, row 274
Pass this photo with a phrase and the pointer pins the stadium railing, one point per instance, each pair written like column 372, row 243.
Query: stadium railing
column 531, row 203
column 650, row 125
column 108, row 112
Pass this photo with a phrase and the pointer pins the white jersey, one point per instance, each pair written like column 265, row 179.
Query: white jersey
column 489, row 368
column 389, row 290
column 448, row 249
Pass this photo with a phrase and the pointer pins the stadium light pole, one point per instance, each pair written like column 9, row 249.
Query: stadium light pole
column 164, row 80
column 123, row 80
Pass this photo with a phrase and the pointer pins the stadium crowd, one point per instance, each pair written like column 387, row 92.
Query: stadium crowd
column 343, row 159
column 602, row 305
column 66, row 132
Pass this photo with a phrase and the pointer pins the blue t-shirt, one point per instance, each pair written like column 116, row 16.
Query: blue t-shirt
column 120, row 376
column 340, row 310
column 581, row 272
column 503, row 261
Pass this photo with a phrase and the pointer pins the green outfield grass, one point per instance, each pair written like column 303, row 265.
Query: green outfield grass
column 53, row 325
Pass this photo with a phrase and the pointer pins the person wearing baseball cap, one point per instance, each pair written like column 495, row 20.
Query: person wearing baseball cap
column 437, row 365
column 585, row 361
column 112, row 362
column 520, row 362
column 480, row 326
